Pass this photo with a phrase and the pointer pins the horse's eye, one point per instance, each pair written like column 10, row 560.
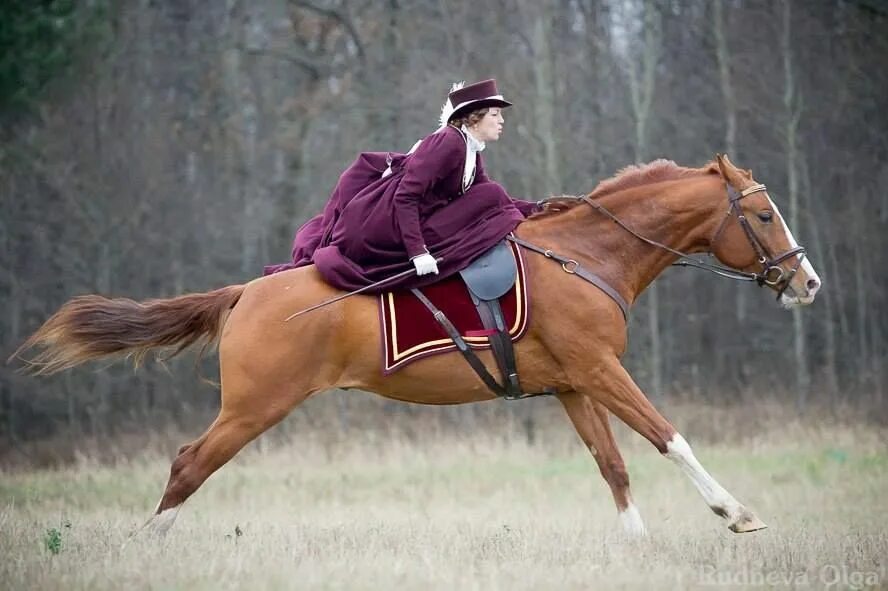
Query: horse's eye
column 765, row 216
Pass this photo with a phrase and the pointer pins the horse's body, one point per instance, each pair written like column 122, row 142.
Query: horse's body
column 576, row 338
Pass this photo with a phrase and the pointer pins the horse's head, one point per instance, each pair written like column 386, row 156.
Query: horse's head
column 754, row 237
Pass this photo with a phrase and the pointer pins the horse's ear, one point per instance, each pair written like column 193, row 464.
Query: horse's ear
column 726, row 168
column 722, row 167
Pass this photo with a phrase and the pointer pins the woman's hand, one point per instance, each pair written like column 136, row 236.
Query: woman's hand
column 425, row 264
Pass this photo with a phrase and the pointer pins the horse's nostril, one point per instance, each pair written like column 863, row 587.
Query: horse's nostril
column 812, row 284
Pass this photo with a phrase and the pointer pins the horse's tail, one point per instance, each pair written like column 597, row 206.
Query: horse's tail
column 93, row 327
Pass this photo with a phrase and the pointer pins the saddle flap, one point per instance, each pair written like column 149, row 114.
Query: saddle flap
column 492, row 274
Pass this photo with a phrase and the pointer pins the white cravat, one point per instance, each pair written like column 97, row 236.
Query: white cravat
column 473, row 146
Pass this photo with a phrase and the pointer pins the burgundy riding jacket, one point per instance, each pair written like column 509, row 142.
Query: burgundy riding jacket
column 375, row 222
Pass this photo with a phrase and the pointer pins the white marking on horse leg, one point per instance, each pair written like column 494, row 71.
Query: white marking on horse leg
column 631, row 520
column 160, row 523
column 718, row 499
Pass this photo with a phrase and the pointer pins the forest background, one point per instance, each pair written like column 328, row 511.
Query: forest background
column 150, row 148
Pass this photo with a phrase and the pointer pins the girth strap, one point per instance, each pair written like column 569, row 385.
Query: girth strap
column 491, row 314
column 470, row 356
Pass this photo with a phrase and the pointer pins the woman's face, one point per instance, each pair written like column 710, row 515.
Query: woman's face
column 490, row 127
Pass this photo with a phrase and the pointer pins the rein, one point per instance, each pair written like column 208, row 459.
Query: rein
column 685, row 259
column 770, row 265
column 573, row 267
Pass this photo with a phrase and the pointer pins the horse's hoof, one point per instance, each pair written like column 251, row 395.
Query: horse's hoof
column 633, row 526
column 747, row 522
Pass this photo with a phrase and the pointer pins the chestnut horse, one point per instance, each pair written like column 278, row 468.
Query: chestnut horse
column 576, row 338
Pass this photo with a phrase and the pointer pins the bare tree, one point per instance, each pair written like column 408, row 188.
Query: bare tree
column 793, row 112
column 641, row 92
column 184, row 150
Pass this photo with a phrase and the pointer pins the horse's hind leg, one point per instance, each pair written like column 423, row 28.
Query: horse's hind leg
column 590, row 419
column 233, row 428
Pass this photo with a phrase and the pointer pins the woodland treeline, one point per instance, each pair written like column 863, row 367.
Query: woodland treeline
column 156, row 147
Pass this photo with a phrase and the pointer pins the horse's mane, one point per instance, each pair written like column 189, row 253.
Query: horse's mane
column 635, row 175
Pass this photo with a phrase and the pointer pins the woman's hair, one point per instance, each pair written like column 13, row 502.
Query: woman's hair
column 469, row 119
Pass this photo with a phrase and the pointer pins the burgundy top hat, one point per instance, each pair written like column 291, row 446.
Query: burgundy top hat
column 463, row 99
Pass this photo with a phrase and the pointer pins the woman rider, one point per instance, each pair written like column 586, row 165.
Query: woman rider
column 390, row 211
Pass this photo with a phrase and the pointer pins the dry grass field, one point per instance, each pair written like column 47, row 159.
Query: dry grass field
column 445, row 510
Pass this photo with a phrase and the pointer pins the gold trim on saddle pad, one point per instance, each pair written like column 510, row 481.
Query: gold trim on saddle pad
column 401, row 358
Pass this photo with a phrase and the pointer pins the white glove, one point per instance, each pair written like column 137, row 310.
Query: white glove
column 425, row 264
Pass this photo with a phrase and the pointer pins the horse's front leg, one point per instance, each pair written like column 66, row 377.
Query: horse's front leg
column 591, row 422
column 612, row 385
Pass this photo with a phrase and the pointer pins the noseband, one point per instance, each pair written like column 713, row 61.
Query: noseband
column 771, row 274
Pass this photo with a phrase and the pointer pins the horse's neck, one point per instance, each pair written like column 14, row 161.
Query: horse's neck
column 680, row 214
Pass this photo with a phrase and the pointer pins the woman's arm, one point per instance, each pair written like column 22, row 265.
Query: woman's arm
column 526, row 207
column 436, row 157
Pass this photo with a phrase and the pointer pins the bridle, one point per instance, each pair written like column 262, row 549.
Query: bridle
column 771, row 274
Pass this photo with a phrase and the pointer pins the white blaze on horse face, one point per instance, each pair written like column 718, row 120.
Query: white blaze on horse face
column 718, row 499
column 631, row 520
column 806, row 265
